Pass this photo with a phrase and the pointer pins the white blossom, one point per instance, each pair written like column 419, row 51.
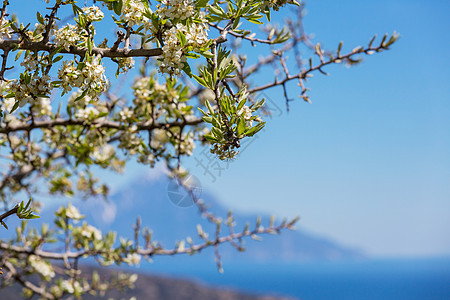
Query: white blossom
column 70, row 35
column 90, row 232
column 8, row 104
column 176, row 9
column 70, row 286
column 42, row 106
column 70, row 212
column 132, row 259
column 172, row 58
column 41, row 266
column 103, row 153
column 30, row 88
column 88, row 113
column 93, row 13
column 125, row 64
column 133, row 13
column 187, row 144
column 159, row 138
column 246, row 112
column 125, row 114
column 5, row 30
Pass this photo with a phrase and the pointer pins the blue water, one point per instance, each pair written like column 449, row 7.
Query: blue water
column 367, row 279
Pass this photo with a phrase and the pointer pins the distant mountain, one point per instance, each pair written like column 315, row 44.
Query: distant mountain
column 153, row 200
column 151, row 287
column 149, row 199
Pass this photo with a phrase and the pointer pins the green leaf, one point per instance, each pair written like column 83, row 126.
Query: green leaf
column 28, row 204
column 192, row 55
column 211, row 138
column 217, row 10
column 81, row 96
column 187, row 70
column 203, row 112
column 201, row 3
column 40, row 18
column 19, row 53
column 200, row 80
column 103, row 114
column 257, row 105
column 241, row 104
column 217, row 132
column 207, row 119
column 255, row 129
column 207, row 54
column 241, row 126
column 236, row 23
column 58, row 58
column 255, row 21
column 181, row 38
column 16, row 105
column 89, row 45
column 211, row 111
column 117, row 6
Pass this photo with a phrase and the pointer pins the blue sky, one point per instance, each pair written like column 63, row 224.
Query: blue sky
column 367, row 163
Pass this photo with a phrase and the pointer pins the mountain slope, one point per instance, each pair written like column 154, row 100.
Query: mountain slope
column 151, row 287
column 150, row 200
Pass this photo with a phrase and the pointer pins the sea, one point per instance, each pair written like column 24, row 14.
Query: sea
column 362, row 279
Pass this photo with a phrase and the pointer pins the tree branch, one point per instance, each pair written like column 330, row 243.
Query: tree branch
column 147, row 125
column 8, row 213
column 103, row 52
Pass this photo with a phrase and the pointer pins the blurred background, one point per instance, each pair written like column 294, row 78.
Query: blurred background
column 366, row 166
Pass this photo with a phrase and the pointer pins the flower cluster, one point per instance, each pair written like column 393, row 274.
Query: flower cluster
column 277, row 4
column 70, row 35
column 187, row 144
column 173, row 59
column 159, row 138
column 130, row 140
column 89, row 75
column 32, row 62
column 30, row 87
column 124, row 64
column 40, row 266
column 71, row 286
column 246, row 112
column 89, row 113
column 88, row 231
column 175, row 9
column 125, row 114
column 93, row 13
column 7, row 103
column 42, row 107
column 5, row 29
column 132, row 259
column 104, row 153
column 133, row 13
column 224, row 152
column 148, row 89
column 70, row 212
